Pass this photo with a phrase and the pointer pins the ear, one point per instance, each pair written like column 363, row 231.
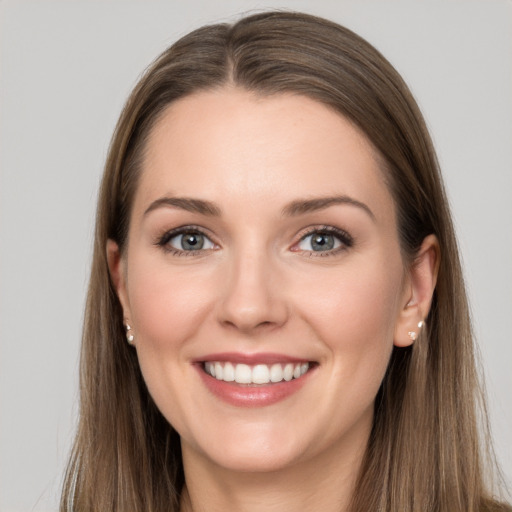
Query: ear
column 116, row 266
column 418, row 293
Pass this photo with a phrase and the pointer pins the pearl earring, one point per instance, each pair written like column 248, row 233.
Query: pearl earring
column 129, row 335
column 413, row 334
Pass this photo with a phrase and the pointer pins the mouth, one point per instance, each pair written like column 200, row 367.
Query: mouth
column 256, row 374
column 254, row 380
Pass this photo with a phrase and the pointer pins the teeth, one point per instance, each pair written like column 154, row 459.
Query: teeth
column 257, row 374
column 243, row 374
column 276, row 373
column 219, row 371
column 261, row 374
column 229, row 372
column 288, row 372
column 209, row 368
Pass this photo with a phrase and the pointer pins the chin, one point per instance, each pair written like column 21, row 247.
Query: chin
column 253, row 461
column 250, row 452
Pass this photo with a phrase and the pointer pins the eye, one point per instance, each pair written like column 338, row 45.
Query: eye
column 319, row 242
column 186, row 240
column 190, row 241
column 325, row 240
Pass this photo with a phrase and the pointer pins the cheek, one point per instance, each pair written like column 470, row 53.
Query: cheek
column 355, row 302
column 354, row 313
column 168, row 309
column 168, row 306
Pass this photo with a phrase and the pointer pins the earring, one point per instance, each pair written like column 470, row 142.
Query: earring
column 413, row 334
column 129, row 335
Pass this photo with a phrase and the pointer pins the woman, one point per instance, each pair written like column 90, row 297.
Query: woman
column 276, row 315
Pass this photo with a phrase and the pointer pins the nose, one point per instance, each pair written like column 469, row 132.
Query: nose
column 253, row 297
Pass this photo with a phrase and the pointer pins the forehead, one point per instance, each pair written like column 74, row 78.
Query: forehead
column 230, row 143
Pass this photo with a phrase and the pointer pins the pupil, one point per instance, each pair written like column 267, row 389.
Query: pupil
column 192, row 241
column 322, row 242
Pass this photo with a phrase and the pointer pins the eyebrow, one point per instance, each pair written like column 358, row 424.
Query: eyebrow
column 295, row 208
column 185, row 203
column 302, row 206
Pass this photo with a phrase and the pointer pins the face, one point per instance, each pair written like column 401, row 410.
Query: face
column 262, row 249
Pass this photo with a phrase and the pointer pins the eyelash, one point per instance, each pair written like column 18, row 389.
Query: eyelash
column 164, row 240
column 345, row 239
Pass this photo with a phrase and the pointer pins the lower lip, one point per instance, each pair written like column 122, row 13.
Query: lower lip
column 244, row 395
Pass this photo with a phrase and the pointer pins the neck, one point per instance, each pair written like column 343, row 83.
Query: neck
column 324, row 483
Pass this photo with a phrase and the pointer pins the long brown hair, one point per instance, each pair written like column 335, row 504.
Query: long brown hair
column 424, row 452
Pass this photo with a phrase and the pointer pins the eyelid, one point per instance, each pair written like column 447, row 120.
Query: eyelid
column 343, row 236
column 163, row 239
column 346, row 240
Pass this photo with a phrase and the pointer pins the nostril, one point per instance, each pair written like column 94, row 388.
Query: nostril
column 250, row 301
column 249, row 326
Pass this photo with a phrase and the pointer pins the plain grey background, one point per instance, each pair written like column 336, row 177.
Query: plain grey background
column 66, row 68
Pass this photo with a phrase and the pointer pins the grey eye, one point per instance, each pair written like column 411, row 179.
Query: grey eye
column 190, row 241
column 319, row 241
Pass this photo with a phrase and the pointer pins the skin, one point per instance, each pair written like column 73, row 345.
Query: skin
column 259, row 287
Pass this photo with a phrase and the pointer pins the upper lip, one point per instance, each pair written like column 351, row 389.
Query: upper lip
column 250, row 359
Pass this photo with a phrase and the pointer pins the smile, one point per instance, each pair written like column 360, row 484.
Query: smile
column 254, row 380
column 255, row 374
